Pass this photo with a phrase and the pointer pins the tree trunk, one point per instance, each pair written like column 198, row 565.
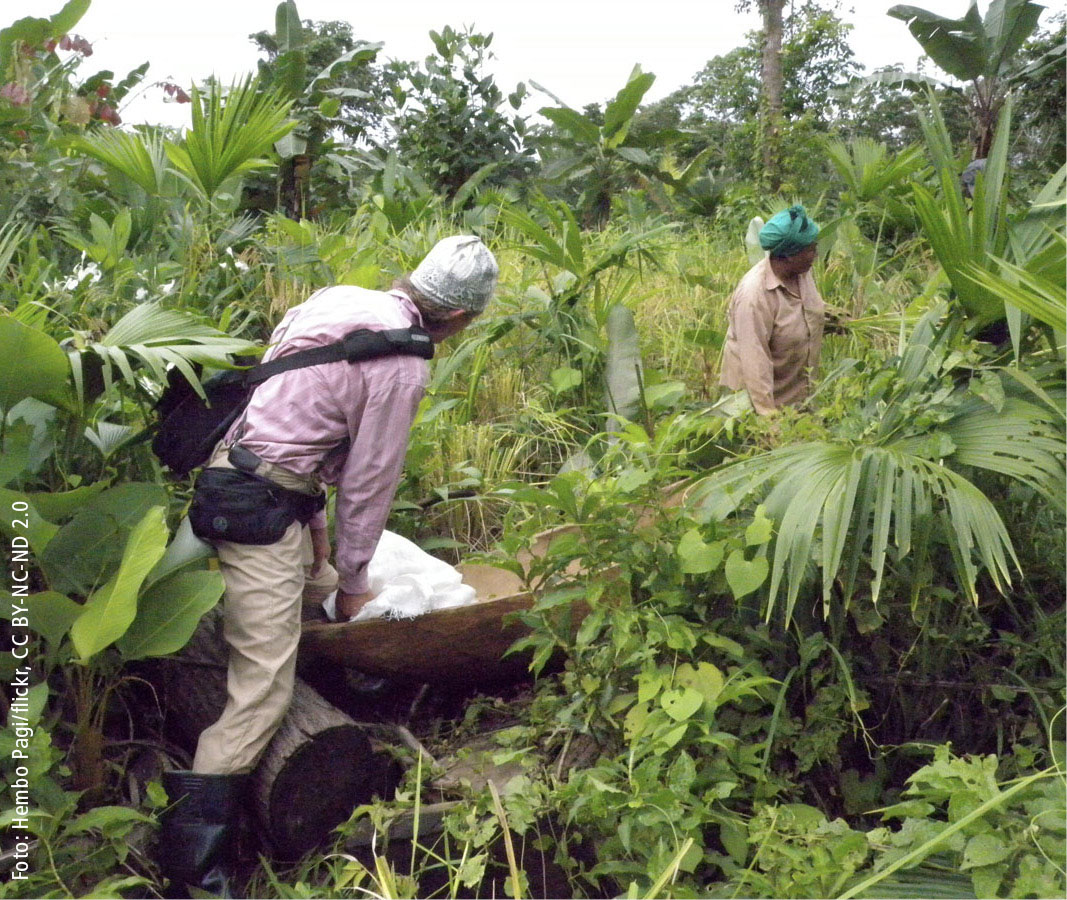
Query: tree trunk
column 318, row 767
column 771, row 92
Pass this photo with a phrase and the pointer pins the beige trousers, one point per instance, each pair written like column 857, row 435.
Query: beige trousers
column 265, row 589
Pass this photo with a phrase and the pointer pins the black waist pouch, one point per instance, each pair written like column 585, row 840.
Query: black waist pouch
column 231, row 505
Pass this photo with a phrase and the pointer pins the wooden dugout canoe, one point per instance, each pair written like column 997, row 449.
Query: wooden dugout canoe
column 463, row 645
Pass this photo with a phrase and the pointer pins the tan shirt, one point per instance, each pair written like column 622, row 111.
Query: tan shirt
column 774, row 338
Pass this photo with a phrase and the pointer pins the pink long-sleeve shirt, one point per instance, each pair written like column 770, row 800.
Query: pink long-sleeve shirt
column 345, row 423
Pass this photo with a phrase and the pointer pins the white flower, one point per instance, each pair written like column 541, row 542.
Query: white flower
column 141, row 294
column 167, row 288
column 90, row 269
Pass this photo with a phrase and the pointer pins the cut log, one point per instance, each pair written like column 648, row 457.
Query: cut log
column 319, row 766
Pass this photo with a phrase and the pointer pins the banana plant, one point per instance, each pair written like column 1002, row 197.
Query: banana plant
column 976, row 50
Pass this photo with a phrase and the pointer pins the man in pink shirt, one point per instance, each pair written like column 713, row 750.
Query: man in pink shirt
column 338, row 423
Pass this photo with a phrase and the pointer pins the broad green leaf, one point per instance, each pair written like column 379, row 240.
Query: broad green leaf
column 50, row 614
column 111, row 820
column 725, row 644
column 984, row 850
column 31, row 365
column 665, row 740
column 697, row 556
column 760, row 531
column 635, row 155
column 565, row 379
column 290, row 73
column 959, row 46
column 63, row 504
column 291, row 145
column 630, row 480
column 1008, row 25
column 288, row 32
column 26, row 524
column 681, row 775
column 15, row 455
column 735, row 841
column 85, row 551
column 619, row 112
column 363, row 52
column 633, row 724
column 648, row 685
column 744, row 576
column 184, row 550
column 108, row 613
column 705, row 678
column 986, row 880
column 169, row 612
column 63, row 22
column 572, row 121
column 681, row 703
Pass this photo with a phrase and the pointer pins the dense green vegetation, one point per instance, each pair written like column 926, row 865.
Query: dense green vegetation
column 836, row 669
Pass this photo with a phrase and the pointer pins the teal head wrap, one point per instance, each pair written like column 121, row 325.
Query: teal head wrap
column 788, row 232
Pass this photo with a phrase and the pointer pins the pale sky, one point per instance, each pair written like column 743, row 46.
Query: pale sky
column 581, row 50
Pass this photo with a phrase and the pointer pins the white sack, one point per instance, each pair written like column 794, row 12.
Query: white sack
column 406, row 582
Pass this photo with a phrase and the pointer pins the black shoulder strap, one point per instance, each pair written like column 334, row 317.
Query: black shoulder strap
column 355, row 346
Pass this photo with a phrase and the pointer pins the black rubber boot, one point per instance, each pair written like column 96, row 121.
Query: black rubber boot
column 199, row 832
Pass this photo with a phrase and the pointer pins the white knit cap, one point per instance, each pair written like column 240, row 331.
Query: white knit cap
column 459, row 273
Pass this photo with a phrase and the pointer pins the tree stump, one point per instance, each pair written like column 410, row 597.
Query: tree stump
column 319, row 766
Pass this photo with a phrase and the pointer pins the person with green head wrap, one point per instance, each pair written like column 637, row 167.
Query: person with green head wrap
column 776, row 317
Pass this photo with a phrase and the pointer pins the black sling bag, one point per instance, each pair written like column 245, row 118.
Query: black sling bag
column 189, row 426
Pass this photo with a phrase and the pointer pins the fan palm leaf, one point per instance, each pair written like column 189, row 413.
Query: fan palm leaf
column 143, row 160
column 155, row 338
column 229, row 138
column 904, row 476
column 860, row 498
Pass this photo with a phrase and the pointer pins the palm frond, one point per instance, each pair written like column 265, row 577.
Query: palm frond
column 1044, row 298
column 11, row 238
column 859, row 500
column 892, row 483
column 155, row 338
column 141, row 159
column 229, row 137
column 1019, row 440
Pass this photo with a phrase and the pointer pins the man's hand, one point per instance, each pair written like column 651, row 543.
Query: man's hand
column 350, row 604
column 320, row 548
